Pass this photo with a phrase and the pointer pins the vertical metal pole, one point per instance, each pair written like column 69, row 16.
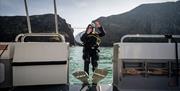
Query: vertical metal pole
column 146, row 69
column 177, row 63
column 55, row 12
column 169, row 69
column 27, row 16
column 169, row 40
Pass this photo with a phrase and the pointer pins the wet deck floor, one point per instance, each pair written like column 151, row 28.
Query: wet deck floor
column 66, row 88
column 78, row 87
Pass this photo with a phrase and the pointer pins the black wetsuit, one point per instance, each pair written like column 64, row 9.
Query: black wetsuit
column 90, row 49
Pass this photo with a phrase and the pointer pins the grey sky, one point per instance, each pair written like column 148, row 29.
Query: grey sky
column 79, row 13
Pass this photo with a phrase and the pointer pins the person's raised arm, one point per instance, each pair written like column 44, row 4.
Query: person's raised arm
column 101, row 29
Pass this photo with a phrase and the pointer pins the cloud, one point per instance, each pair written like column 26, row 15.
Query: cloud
column 11, row 7
column 81, row 4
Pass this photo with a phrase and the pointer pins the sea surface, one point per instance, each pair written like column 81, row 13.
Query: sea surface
column 77, row 63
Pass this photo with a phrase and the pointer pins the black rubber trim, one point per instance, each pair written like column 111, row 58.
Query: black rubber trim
column 39, row 63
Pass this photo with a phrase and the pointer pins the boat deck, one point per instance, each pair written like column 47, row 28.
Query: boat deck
column 65, row 88
column 77, row 87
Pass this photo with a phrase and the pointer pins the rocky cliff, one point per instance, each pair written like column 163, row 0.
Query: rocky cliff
column 160, row 18
column 11, row 26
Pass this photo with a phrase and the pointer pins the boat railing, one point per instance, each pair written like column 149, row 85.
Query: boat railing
column 148, row 36
column 21, row 37
column 150, row 59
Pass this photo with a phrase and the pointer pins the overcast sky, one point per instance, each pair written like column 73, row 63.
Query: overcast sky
column 79, row 13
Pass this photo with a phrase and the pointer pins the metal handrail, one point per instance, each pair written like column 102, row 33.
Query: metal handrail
column 23, row 36
column 27, row 17
column 146, row 36
column 18, row 36
column 43, row 34
column 55, row 16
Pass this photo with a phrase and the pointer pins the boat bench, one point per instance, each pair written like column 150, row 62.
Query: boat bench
column 40, row 63
column 147, row 66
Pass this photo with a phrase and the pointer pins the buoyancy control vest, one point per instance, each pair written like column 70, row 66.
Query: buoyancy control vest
column 92, row 41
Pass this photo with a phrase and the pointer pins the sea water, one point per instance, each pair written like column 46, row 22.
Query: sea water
column 77, row 63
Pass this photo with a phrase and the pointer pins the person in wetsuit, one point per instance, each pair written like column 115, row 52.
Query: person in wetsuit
column 91, row 41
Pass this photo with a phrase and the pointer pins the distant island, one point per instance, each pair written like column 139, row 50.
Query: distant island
column 160, row 18
column 11, row 26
